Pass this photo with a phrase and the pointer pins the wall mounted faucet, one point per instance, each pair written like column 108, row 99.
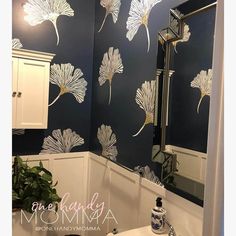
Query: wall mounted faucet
column 172, row 230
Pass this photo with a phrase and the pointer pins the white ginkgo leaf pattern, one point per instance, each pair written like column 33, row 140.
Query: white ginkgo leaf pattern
column 16, row 43
column 203, row 81
column 61, row 142
column 39, row 11
column 107, row 139
column 112, row 7
column 111, row 64
column 175, row 25
column 147, row 173
column 145, row 98
column 185, row 38
column 68, row 80
column 186, row 33
column 139, row 15
column 18, row 131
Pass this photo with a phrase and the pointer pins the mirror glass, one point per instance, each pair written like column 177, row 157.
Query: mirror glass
column 184, row 78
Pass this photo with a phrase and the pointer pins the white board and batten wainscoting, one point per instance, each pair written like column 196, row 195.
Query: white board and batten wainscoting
column 129, row 197
column 192, row 164
column 70, row 170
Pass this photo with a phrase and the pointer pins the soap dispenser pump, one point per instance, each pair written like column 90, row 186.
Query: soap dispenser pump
column 158, row 217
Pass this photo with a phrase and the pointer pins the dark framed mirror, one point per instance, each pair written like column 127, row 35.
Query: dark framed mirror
column 183, row 89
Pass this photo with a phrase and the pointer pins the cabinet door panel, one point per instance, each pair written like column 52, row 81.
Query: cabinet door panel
column 32, row 103
column 14, row 89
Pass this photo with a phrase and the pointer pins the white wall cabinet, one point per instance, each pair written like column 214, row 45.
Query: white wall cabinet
column 30, row 88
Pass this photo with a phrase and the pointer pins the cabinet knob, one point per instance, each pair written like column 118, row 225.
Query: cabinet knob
column 13, row 94
column 19, row 94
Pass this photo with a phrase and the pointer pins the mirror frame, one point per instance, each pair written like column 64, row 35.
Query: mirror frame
column 213, row 212
column 165, row 105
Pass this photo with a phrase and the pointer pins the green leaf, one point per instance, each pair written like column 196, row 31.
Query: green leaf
column 29, row 180
column 21, row 192
column 19, row 160
column 32, row 184
column 55, row 197
column 45, row 195
column 40, row 164
column 15, row 196
column 35, row 170
column 27, row 204
column 55, row 184
column 56, row 207
column 47, row 171
column 54, row 190
column 27, row 191
column 14, row 180
column 47, row 177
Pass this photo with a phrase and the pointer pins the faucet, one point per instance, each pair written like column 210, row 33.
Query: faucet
column 172, row 230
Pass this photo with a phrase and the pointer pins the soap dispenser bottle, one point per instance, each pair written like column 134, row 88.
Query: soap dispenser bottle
column 158, row 217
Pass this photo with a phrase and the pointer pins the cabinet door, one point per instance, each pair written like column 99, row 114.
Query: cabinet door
column 14, row 89
column 32, row 96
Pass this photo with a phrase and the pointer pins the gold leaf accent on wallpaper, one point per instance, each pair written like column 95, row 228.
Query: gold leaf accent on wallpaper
column 145, row 98
column 175, row 25
column 112, row 7
column 147, row 173
column 61, row 142
column 41, row 10
column 203, row 82
column 69, row 81
column 16, row 43
column 139, row 15
column 111, row 64
column 107, row 139
column 185, row 38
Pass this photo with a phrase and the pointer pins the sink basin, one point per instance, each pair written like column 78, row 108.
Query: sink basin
column 143, row 231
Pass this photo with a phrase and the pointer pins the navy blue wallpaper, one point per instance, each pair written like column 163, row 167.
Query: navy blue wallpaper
column 123, row 114
column 188, row 128
column 75, row 47
column 84, row 47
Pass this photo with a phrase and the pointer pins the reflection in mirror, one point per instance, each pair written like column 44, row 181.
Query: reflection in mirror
column 184, row 77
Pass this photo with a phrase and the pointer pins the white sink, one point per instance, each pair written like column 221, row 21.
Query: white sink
column 143, row 231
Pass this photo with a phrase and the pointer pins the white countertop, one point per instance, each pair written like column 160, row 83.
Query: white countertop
column 143, row 231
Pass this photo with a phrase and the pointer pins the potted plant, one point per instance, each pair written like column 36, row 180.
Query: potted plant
column 32, row 184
